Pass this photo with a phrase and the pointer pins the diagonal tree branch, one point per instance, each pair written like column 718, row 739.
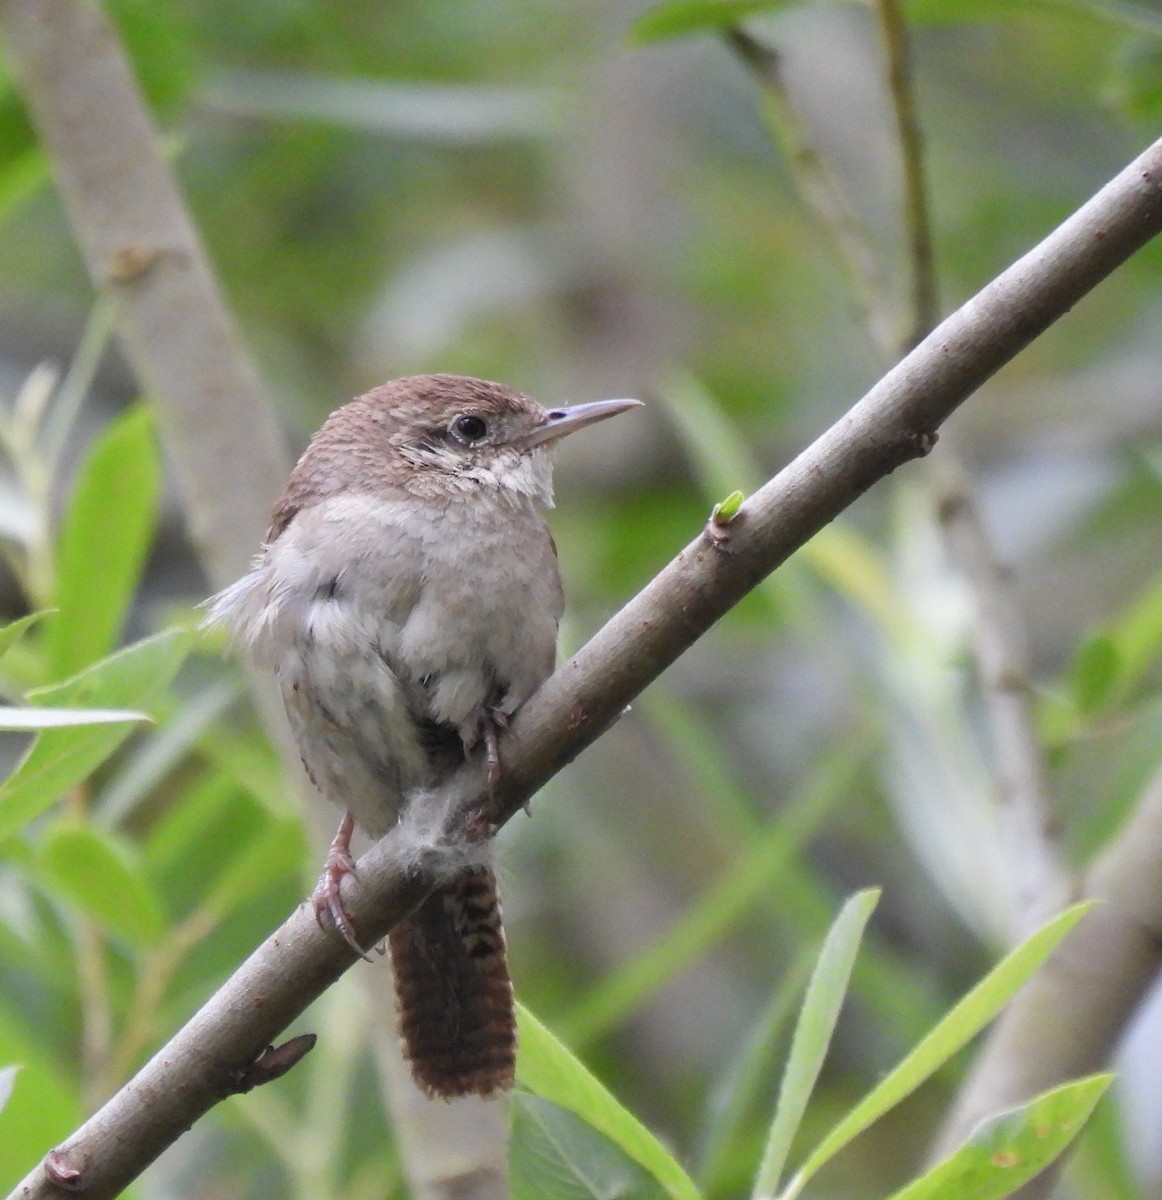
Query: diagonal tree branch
column 897, row 420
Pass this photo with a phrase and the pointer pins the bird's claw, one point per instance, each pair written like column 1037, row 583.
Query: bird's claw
column 327, row 896
column 490, row 731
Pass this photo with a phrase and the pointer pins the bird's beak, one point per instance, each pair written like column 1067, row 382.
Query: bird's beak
column 560, row 421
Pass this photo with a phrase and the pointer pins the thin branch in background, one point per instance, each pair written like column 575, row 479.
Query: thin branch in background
column 142, row 250
column 1041, row 880
column 1069, row 1018
column 999, row 642
column 896, row 421
column 1000, row 650
column 924, row 305
column 96, row 1039
column 1067, row 1021
column 1013, row 1065
column 820, row 191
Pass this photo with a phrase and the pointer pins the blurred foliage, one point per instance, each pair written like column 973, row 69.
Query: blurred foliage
column 570, row 198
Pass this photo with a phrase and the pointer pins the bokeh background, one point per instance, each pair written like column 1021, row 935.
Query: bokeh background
column 522, row 192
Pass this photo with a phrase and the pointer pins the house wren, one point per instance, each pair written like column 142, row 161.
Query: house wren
column 407, row 599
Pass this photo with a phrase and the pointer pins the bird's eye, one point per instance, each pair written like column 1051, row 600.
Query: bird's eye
column 469, row 428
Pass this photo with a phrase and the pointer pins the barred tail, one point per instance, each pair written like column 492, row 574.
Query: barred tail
column 453, row 990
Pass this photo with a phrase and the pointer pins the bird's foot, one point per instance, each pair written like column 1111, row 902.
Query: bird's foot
column 494, row 724
column 327, row 896
column 487, row 730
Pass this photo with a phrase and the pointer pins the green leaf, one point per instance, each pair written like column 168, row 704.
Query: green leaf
column 737, row 1092
column 44, row 1107
column 709, row 436
column 278, row 850
column 103, row 542
column 547, row 1067
column 216, row 850
column 1135, row 86
column 726, row 510
column 61, row 758
column 1123, row 13
column 161, row 749
column 29, row 720
column 159, row 42
column 743, row 884
column 11, row 633
column 816, row 1024
column 1136, row 635
column 1095, row 673
column 1008, row 1149
column 678, row 18
column 722, row 456
column 100, row 875
column 957, row 1027
column 555, row 1153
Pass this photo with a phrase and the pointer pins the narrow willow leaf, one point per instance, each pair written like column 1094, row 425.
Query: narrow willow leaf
column 548, row 1068
column 110, row 519
column 100, row 876
column 721, row 457
column 825, row 995
column 60, row 758
column 958, row 1026
column 160, row 750
column 44, row 1107
column 1096, row 673
column 278, row 850
column 678, row 18
column 29, row 720
column 1136, row 640
column 11, row 633
column 1123, row 13
column 554, row 1153
column 1007, row 1150
column 745, row 883
column 736, row 1094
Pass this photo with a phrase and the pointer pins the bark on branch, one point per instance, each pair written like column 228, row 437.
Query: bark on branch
column 897, row 420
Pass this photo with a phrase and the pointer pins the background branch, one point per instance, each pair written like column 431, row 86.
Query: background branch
column 1069, row 1017
column 1041, row 883
column 1040, row 878
column 819, row 188
column 895, row 421
column 1067, row 1021
column 142, row 250
column 923, row 304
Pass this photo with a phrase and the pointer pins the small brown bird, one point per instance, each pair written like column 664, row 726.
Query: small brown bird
column 407, row 600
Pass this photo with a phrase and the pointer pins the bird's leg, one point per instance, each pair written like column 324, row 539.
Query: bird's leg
column 487, row 730
column 495, row 724
column 327, row 897
column 495, row 721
